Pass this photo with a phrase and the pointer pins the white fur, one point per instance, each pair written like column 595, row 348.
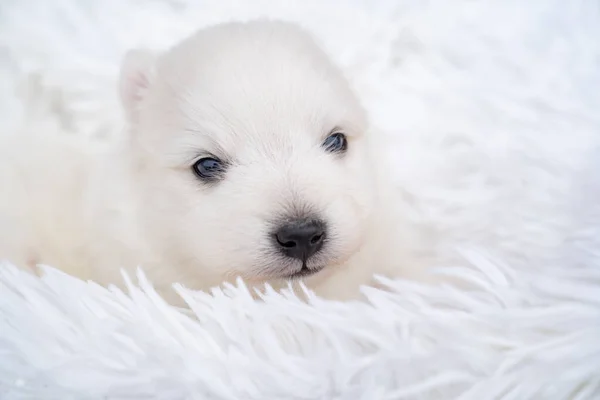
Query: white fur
column 485, row 148
column 489, row 111
column 262, row 96
column 516, row 335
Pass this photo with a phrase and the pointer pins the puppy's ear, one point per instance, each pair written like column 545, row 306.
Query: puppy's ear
column 137, row 74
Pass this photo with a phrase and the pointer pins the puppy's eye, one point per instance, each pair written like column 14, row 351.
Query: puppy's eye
column 209, row 169
column 336, row 143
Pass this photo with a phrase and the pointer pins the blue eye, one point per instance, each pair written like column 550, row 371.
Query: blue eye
column 209, row 169
column 336, row 143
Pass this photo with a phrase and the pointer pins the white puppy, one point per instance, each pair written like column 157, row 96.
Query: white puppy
column 247, row 154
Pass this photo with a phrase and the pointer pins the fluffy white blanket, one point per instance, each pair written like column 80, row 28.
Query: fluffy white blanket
column 515, row 336
column 491, row 110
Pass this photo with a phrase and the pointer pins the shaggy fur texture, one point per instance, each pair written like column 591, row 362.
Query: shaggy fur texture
column 515, row 335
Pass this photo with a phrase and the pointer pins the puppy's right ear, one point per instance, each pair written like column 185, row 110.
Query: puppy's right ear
column 137, row 74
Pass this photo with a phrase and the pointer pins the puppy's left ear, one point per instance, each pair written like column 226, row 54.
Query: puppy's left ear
column 137, row 75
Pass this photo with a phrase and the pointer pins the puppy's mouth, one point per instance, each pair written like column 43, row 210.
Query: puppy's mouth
column 304, row 272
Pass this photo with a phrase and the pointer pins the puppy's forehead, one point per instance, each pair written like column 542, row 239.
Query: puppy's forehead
column 255, row 85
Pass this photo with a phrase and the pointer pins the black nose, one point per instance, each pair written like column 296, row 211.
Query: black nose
column 301, row 239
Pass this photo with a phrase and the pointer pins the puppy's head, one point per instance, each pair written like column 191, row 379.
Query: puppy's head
column 249, row 153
